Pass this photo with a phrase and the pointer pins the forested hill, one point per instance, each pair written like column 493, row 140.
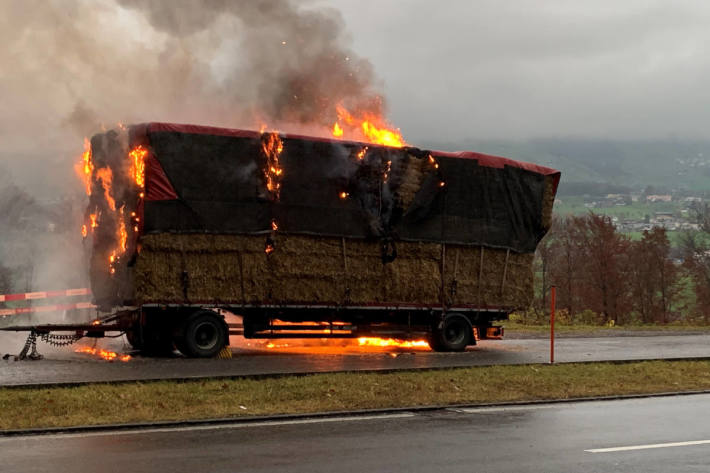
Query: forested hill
column 617, row 165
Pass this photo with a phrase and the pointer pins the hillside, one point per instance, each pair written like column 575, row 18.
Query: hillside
column 667, row 165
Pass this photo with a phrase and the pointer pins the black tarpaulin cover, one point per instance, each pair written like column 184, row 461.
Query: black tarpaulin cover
column 214, row 180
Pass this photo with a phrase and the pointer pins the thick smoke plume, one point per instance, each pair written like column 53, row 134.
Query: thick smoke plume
column 71, row 68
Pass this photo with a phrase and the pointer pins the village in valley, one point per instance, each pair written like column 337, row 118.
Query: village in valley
column 632, row 213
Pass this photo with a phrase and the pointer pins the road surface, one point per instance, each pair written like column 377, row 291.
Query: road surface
column 64, row 366
column 656, row 435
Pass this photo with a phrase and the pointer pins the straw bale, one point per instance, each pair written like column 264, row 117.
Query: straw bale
column 304, row 269
column 412, row 179
column 462, row 284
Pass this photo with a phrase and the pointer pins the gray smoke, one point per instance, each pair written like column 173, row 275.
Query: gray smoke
column 285, row 62
column 70, row 68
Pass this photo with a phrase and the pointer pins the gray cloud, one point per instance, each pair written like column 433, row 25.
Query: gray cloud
column 491, row 69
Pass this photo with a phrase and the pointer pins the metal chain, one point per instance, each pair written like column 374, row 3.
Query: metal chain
column 31, row 340
column 31, row 343
column 60, row 340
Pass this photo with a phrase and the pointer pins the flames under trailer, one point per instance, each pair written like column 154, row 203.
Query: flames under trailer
column 305, row 238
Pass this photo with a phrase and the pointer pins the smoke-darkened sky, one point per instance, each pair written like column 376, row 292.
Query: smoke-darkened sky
column 449, row 70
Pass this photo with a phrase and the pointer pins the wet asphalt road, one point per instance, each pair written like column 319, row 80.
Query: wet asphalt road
column 547, row 438
column 64, row 366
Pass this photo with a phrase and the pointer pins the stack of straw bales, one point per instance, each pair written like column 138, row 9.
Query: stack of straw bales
column 235, row 269
column 303, row 269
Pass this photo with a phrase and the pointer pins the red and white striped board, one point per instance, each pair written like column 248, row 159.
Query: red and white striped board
column 26, row 296
column 46, row 308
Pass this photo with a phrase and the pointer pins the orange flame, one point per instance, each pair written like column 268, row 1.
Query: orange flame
column 272, row 147
column 391, row 342
column 105, row 354
column 122, row 234
column 361, row 153
column 93, row 224
column 106, row 177
column 433, row 162
column 388, row 168
column 369, row 126
column 381, row 135
column 274, row 225
column 344, row 195
column 137, row 156
column 85, row 167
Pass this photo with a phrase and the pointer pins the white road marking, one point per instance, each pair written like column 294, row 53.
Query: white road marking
column 646, row 447
column 235, row 425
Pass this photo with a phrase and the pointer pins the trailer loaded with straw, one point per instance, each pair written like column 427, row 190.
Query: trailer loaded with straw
column 306, row 237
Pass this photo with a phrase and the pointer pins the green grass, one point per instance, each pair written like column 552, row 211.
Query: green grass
column 517, row 327
column 166, row 400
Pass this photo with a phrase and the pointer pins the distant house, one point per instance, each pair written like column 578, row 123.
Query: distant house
column 663, row 216
column 659, row 198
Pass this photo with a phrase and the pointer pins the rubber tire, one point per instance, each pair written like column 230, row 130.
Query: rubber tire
column 157, row 342
column 455, row 334
column 204, row 335
column 132, row 338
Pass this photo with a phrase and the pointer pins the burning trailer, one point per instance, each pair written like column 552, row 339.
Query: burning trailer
column 305, row 237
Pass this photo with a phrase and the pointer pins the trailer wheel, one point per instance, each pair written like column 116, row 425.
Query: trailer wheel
column 453, row 334
column 204, row 335
column 157, row 342
column 133, row 339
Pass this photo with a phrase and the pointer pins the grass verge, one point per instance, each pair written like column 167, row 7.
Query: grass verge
column 166, row 400
column 599, row 330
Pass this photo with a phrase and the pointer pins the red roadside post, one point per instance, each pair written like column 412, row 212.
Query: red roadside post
column 552, row 324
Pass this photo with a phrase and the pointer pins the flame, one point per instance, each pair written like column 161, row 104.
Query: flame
column 388, row 168
column 272, row 146
column 85, row 167
column 391, row 342
column 274, row 225
column 269, row 248
column 361, row 153
column 122, row 234
column 344, row 195
column 93, row 223
column 381, row 135
column 433, row 162
column 106, row 177
column 137, row 156
column 338, row 345
column 369, row 126
column 105, row 354
column 442, row 184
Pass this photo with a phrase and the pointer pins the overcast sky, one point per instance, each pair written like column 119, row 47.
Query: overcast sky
column 517, row 69
column 448, row 70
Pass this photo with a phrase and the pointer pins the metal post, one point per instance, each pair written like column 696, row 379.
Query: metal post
column 552, row 324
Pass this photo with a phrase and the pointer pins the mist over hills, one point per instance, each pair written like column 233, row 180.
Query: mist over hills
column 608, row 166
